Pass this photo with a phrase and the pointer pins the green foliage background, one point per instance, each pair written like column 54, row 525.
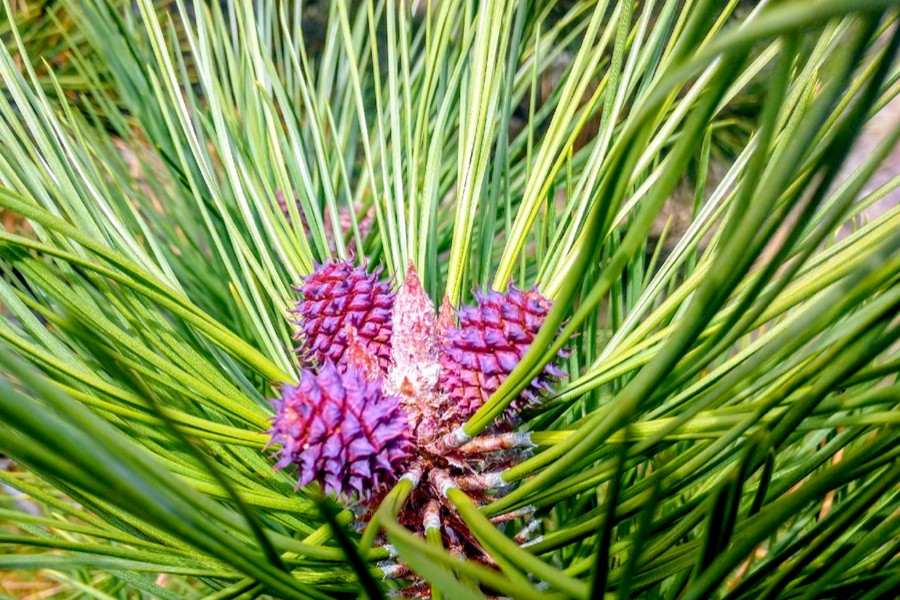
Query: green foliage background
column 729, row 429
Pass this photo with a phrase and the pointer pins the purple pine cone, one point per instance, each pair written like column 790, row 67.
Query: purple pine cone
column 490, row 340
column 338, row 294
column 340, row 430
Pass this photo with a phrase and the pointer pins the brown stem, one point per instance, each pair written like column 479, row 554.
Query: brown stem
column 480, row 481
column 495, row 443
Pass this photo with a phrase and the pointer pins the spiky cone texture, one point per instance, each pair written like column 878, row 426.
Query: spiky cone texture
column 336, row 295
column 435, row 384
column 491, row 338
column 340, row 429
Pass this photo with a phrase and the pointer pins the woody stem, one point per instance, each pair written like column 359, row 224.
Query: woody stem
column 494, row 443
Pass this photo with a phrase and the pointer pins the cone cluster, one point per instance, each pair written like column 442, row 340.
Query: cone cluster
column 384, row 377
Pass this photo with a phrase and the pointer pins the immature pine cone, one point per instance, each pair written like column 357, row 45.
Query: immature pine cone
column 341, row 430
column 336, row 295
column 490, row 340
